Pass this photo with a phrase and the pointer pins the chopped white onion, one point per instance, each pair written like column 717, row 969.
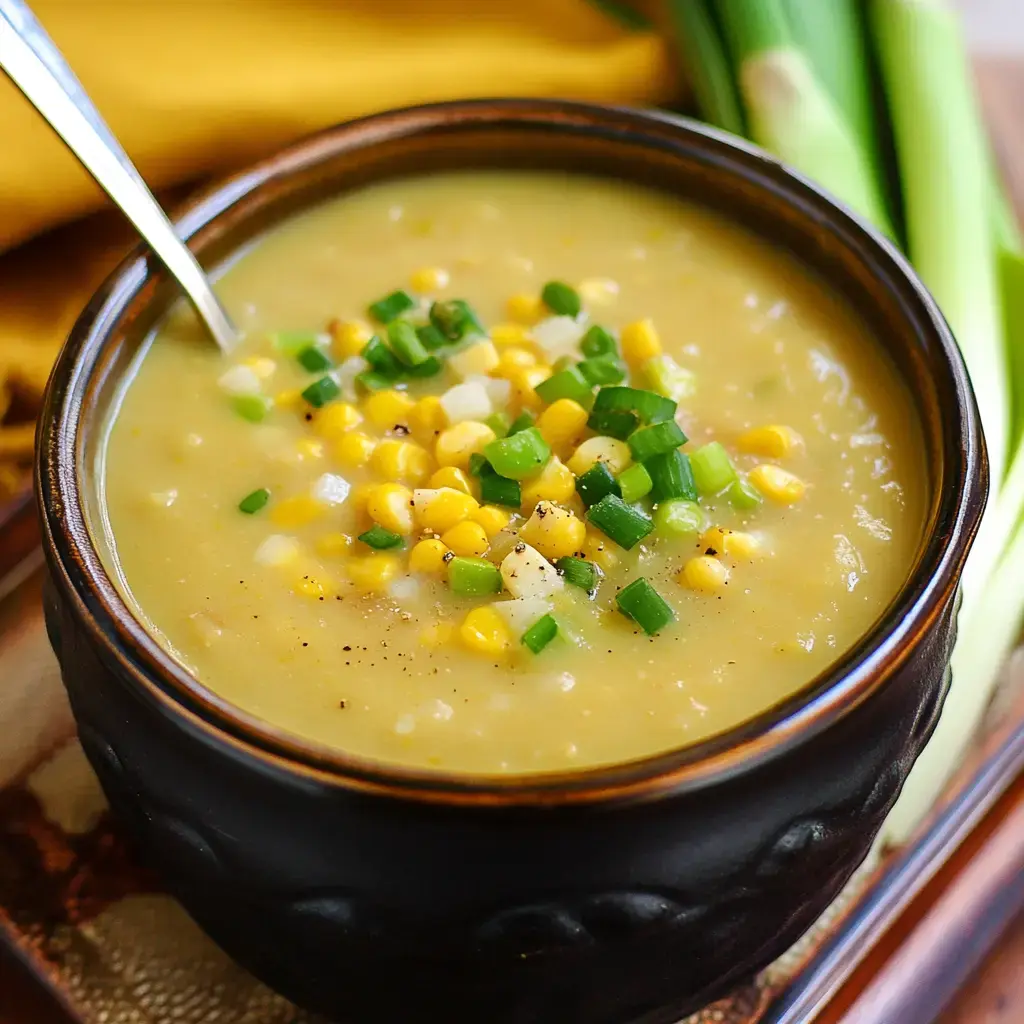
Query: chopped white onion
column 331, row 489
column 346, row 375
column 404, row 588
column 499, row 391
column 277, row 549
column 468, row 401
column 240, row 380
column 480, row 357
column 527, row 573
column 558, row 336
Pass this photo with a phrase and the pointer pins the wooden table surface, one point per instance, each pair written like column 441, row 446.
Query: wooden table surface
column 996, row 993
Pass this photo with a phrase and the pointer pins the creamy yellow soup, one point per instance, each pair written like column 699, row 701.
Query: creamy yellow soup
column 238, row 488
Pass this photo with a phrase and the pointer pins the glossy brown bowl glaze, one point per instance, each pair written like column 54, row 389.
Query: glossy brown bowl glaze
column 618, row 895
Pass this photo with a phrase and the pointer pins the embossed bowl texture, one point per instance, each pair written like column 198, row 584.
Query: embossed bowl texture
column 619, row 895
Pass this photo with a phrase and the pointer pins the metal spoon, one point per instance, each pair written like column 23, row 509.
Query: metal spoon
column 31, row 60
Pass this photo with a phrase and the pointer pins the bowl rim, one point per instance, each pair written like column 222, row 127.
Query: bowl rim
column 77, row 567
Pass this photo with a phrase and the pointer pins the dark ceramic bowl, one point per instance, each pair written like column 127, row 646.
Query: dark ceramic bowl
column 633, row 893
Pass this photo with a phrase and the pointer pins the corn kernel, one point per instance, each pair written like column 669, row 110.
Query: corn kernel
column 403, row 461
column 437, row 635
column 429, row 279
column 526, row 309
column 775, row 441
column 360, row 495
column 350, row 337
column 478, row 359
column 492, row 519
column 467, row 539
column 731, row 543
column 599, row 291
column 390, row 506
column 449, row 476
column 600, row 550
column 523, row 383
column 704, row 573
column 615, row 454
column 333, row 545
column 554, row 482
column 640, row 341
column 427, row 556
column 296, row 511
column 427, row 419
column 372, row 573
column 456, row 444
column 336, row 419
column 309, row 448
column 354, row 449
column 388, row 408
column 316, row 587
column 513, row 360
column 485, row 632
column 555, row 532
column 778, row 484
column 441, row 509
column 263, row 367
column 562, row 423
column 509, row 334
column 291, row 399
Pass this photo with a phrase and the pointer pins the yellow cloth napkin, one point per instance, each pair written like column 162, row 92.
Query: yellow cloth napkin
column 198, row 87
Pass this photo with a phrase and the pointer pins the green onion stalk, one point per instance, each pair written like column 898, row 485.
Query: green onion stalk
column 851, row 92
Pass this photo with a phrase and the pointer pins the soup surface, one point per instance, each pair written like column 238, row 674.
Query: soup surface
column 293, row 522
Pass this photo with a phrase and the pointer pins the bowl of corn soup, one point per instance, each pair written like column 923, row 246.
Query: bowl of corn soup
column 536, row 613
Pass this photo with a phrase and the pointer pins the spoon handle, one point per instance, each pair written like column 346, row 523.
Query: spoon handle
column 35, row 65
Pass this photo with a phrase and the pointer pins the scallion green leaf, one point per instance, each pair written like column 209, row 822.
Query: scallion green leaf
column 321, row 391
column 473, row 577
column 613, row 423
column 380, row 538
column 679, row 518
column 430, row 337
column 391, row 306
column 253, row 408
column 671, row 476
column 744, row 495
column 640, row 602
column 656, row 439
column 519, row 456
column 291, row 343
column 596, row 483
column 635, row 482
column 406, row 344
column 561, row 299
column 713, row 470
column 523, row 421
column 540, row 634
column 567, row 383
column 381, row 359
column 373, row 380
column 647, row 406
column 601, row 371
column 455, row 319
column 598, row 342
column 579, row 573
column 620, row 522
column 253, row 502
column 500, row 490
column 315, row 359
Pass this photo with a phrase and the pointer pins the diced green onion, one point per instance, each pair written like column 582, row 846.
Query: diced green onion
column 499, row 490
column 671, row 476
column 253, row 408
column 252, row 503
column 406, row 344
column 473, row 577
column 567, row 383
column 455, row 319
column 598, row 342
column 656, row 439
column 744, row 495
column 578, row 572
column 540, row 634
column 374, row 380
column 498, row 422
column 561, row 298
column 602, row 370
column 291, row 343
column 713, row 470
column 640, row 602
column 430, row 337
column 520, row 455
column 645, row 405
column 381, row 358
column 596, row 483
column 668, row 378
column 635, row 482
column 613, row 423
column 428, row 368
column 478, row 464
column 679, row 518
column 380, row 538
column 523, row 421
column 620, row 522
column 563, row 363
column 625, row 14
column 391, row 306
column 315, row 359
column 321, row 391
